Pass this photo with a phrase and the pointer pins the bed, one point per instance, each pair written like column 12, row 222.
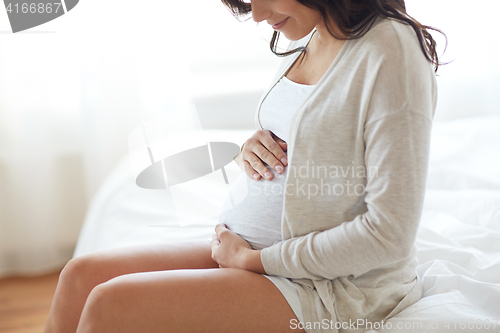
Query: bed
column 458, row 240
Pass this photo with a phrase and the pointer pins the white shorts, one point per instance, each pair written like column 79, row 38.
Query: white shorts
column 290, row 292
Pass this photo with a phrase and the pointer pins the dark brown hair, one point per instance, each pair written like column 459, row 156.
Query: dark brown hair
column 354, row 18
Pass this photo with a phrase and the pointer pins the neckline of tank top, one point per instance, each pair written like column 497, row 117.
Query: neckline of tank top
column 298, row 84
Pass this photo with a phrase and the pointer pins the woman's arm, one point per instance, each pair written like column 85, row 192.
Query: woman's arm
column 398, row 145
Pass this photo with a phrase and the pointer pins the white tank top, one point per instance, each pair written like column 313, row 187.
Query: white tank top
column 280, row 104
column 258, row 217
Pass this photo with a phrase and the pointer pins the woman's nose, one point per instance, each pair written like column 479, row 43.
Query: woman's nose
column 260, row 11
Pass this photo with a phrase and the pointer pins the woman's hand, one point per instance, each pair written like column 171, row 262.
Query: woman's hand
column 263, row 146
column 230, row 250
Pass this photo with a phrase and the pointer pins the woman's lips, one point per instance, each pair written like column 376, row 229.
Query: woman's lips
column 280, row 25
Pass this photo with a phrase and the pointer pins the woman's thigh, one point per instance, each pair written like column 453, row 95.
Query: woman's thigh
column 82, row 274
column 100, row 266
column 203, row 300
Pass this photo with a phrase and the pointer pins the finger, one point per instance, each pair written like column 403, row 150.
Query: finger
column 215, row 240
column 219, row 228
column 268, row 157
column 254, row 167
column 251, row 171
column 257, row 165
column 280, row 142
column 278, row 156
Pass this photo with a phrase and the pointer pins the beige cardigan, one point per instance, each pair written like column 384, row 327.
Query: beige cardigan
column 363, row 137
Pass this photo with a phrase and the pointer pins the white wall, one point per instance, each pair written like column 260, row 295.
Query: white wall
column 470, row 85
column 73, row 89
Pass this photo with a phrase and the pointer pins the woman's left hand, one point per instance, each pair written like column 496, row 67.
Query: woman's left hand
column 230, row 250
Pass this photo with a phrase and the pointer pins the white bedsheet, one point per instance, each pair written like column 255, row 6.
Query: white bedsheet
column 458, row 240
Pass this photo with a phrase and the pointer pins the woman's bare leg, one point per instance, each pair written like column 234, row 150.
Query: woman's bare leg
column 82, row 274
column 204, row 300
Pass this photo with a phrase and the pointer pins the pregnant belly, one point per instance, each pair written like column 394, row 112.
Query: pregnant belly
column 257, row 218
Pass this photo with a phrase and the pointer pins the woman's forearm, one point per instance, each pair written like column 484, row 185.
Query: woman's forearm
column 253, row 263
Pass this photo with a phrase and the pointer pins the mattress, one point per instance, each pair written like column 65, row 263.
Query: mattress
column 458, row 240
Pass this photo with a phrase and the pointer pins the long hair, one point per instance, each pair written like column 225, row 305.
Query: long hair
column 353, row 18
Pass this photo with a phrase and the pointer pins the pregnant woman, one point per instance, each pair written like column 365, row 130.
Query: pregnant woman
column 336, row 172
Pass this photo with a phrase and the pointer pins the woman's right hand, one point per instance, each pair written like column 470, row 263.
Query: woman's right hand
column 263, row 147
